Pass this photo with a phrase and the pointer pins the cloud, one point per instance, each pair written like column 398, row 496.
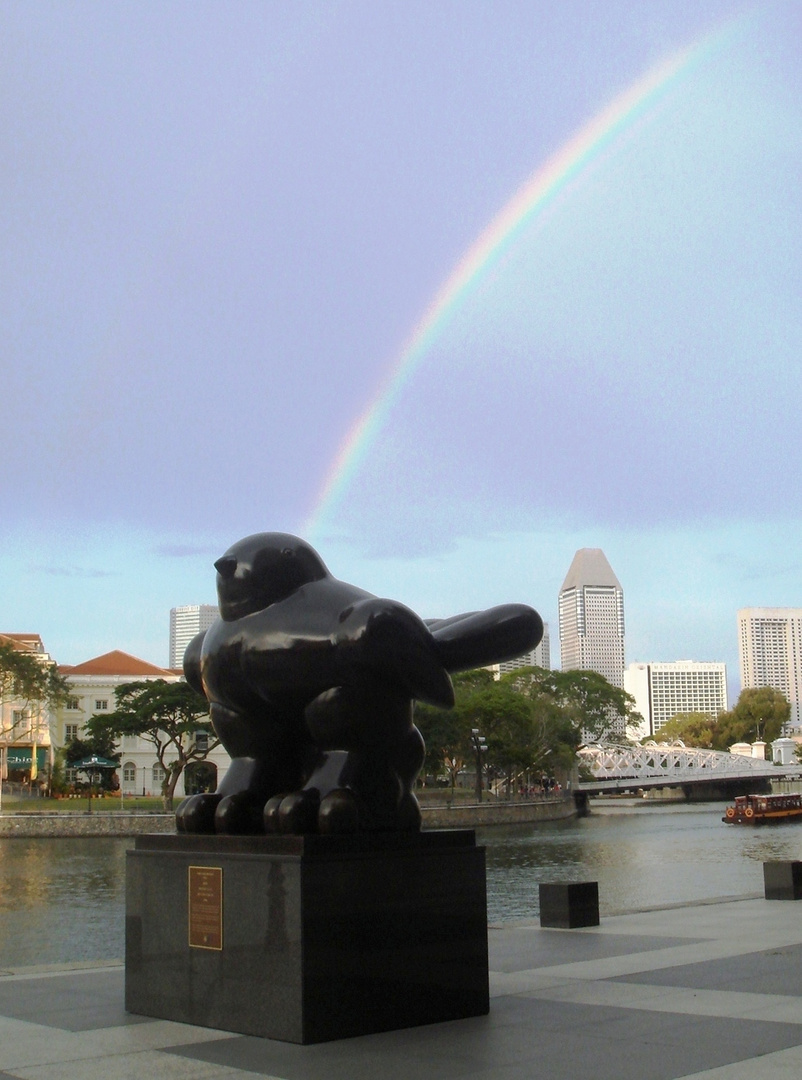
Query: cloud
column 185, row 551
column 74, row 571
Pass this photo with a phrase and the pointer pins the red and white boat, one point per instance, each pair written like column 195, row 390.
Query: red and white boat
column 764, row 809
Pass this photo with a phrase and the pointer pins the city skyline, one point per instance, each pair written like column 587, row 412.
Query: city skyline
column 450, row 290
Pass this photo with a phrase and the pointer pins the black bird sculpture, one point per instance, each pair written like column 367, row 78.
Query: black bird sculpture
column 312, row 683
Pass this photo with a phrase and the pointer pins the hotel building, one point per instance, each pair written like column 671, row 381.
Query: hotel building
column 661, row 690
column 770, row 653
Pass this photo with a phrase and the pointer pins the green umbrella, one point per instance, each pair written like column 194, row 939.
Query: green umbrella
column 90, row 764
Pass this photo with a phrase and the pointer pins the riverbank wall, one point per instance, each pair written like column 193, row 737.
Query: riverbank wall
column 471, row 816
column 85, row 824
column 480, row 815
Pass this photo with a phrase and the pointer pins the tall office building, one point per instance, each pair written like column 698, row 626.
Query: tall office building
column 538, row 657
column 770, row 650
column 185, row 623
column 592, row 617
column 685, row 686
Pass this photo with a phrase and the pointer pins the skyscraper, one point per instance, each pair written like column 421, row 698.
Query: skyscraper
column 685, row 686
column 770, row 650
column 185, row 623
column 592, row 617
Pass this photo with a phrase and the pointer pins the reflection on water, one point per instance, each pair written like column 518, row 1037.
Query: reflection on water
column 641, row 857
column 63, row 900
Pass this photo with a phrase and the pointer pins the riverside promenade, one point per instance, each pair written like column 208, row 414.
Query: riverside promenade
column 710, row 991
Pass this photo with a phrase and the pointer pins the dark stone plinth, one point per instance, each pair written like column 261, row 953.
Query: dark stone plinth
column 783, row 880
column 322, row 937
column 569, row 905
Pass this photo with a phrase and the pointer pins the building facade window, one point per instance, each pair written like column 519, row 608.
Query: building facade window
column 101, row 704
column 70, row 732
column 73, row 703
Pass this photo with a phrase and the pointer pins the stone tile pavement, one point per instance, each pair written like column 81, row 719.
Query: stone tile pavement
column 704, row 992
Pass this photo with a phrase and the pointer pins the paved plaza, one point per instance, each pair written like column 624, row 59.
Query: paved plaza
column 705, row 992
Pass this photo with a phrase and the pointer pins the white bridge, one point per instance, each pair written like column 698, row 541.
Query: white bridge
column 620, row 768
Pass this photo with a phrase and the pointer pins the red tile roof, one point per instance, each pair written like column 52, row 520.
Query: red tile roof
column 115, row 663
column 32, row 642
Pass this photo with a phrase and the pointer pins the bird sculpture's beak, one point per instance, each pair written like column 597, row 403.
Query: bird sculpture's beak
column 226, row 567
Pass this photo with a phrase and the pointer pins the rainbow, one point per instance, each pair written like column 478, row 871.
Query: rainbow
column 599, row 137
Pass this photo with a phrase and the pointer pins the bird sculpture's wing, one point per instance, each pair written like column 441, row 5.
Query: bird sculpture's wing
column 486, row 637
column 192, row 662
column 389, row 641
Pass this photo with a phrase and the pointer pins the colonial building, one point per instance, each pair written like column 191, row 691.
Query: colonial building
column 25, row 742
column 92, row 685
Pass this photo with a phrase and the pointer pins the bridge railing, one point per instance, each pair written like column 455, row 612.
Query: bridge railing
column 674, row 761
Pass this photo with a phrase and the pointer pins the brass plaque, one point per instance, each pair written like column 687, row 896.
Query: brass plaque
column 206, row 907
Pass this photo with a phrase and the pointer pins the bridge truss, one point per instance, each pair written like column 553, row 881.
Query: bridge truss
column 671, row 764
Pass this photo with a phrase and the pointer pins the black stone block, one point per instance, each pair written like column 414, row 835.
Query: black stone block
column 783, row 880
column 569, row 905
column 322, row 937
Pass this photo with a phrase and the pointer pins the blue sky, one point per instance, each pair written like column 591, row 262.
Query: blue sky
column 220, row 223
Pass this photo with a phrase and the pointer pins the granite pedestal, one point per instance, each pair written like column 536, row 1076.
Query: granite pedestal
column 569, row 905
column 307, row 939
column 783, row 880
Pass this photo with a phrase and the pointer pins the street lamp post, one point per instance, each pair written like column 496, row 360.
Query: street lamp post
column 479, row 747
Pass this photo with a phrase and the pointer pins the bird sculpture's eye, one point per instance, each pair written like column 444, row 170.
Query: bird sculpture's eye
column 287, row 553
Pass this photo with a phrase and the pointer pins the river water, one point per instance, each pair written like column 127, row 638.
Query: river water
column 64, row 900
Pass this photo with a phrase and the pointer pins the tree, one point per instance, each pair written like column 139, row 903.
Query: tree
column 593, row 704
column 447, row 732
column 26, row 680
column 759, row 713
column 167, row 715
column 100, row 745
column 525, row 726
column 694, row 729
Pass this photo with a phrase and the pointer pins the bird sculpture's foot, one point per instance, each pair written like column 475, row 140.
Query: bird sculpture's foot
column 196, row 813
column 295, row 814
column 239, row 814
column 339, row 813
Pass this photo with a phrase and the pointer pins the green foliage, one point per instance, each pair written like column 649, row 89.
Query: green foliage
column 694, row 729
column 167, row 715
column 758, row 714
column 585, row 698
column 58, row 783
column 101, row 744
column 24, row 678
column 531, row 720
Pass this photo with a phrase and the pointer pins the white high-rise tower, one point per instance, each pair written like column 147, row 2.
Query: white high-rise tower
column 770, row 648
column 185, row 623
column 592, row 617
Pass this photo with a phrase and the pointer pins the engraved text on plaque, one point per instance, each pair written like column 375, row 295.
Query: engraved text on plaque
column 206, row 907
